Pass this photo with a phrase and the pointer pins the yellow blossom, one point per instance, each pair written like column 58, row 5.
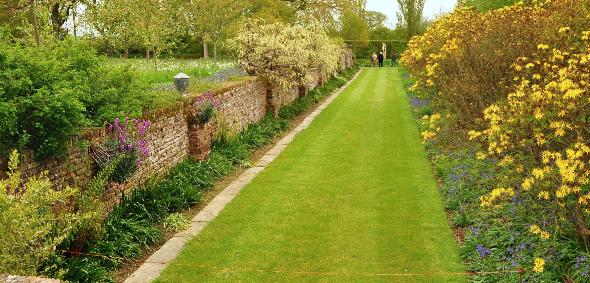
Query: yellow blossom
column 539, row 265
column 474, row 135
column 538, row 173
column 544, row 195
column 481, row 156
column 535, row 229
column 528, row 183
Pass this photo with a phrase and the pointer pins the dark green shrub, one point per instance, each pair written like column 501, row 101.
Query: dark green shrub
column 48, row 93
column 206, row 113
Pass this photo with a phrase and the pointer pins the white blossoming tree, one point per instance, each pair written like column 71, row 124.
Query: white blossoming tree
column 283, row 55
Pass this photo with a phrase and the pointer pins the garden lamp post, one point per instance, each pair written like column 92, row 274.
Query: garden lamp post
column 181, row 82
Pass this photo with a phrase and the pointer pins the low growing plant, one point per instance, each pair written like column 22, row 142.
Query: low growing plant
column 176, row 222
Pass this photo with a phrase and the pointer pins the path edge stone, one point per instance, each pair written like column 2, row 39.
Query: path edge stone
column 159, row 260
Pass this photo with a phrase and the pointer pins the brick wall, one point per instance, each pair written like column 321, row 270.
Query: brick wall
column 172, row 136
column 243, row 104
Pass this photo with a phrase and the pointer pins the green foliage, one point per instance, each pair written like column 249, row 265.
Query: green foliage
column 411, row 15
column 48, row 93
column 34, row 220
column 176, row 222
column 205, row 113
column 283, row 55
column 125, row 167
column 487, row 5
column 355, row 29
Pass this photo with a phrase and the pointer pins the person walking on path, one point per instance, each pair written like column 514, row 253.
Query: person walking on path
column 381, row 58
column 393, row 59
column 374, row 60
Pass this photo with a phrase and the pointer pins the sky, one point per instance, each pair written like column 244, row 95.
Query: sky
column 390, row 8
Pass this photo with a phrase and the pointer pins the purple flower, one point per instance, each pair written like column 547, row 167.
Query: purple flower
column 483, row 251
column 122, row 134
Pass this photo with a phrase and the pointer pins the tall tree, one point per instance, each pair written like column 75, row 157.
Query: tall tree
column 375, row 20
column 210, row 20
column 354, row 30
column 60, row 11
column 410, row 15
column 116, row 24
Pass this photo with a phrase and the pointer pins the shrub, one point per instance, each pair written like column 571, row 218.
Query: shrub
column 462, row 63
column 48, row 93
column 283, row 55
column 176, row 222
column 34, row 220
column 126, row 146
column 540, row 136
column 519, row 91
column 205, row 107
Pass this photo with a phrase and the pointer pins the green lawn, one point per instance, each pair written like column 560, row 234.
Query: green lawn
column 168, row 68
column 351, row 199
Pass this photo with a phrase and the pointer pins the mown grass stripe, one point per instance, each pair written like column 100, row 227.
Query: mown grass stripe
column 352, row 194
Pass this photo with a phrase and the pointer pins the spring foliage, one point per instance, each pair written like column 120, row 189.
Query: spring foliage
column 283, row 54
column 34, row 220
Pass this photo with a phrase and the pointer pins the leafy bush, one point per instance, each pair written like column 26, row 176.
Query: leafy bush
column 519, row 92
column 462, row 63
column 283, row 55
column 176, row 222
column 205, row 107
column 34, row 220
column 540, row 136
column 48, row 93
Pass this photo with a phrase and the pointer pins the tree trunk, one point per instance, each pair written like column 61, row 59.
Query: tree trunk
column 205, row 50
column 57, row 21
column 126, row 52
column 147, row 53
column 74, row 11
column 155, row 57
column 34, row 22
column 215, row 51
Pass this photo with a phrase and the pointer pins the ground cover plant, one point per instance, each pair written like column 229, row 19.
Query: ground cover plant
column 508, row 137
column 144, row 216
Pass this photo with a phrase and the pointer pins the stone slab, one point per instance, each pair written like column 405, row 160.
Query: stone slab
column 168, row 251
column 147, row 272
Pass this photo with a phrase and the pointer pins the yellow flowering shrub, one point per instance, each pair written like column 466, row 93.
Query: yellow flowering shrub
column 543, row 128
column 430, row 127
column 463, row 61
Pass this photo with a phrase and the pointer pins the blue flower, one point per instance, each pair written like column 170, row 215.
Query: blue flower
column 483, row 251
